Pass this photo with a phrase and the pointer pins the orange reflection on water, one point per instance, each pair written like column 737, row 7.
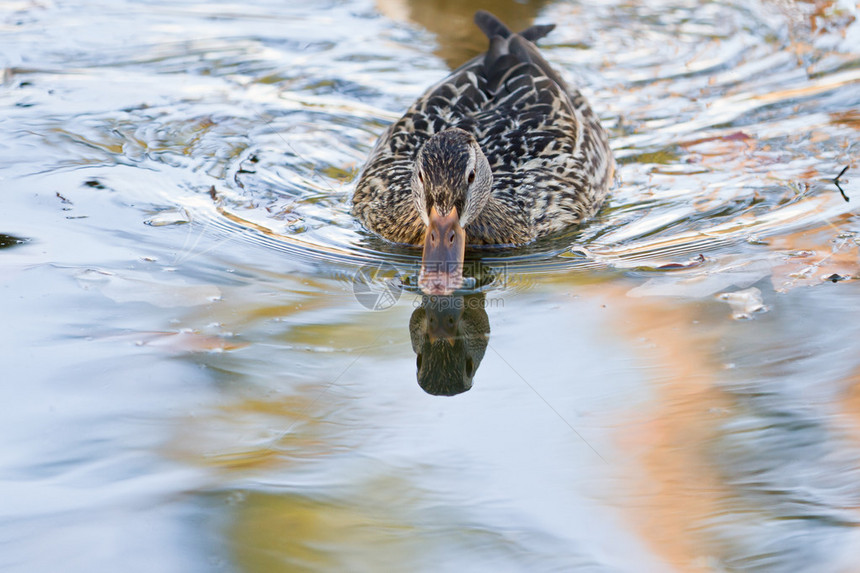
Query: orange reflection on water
column 674, row 486
column 812, row 256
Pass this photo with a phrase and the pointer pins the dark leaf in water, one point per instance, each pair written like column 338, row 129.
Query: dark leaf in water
column 8, row 241
column 94, row 183
column 694, row 262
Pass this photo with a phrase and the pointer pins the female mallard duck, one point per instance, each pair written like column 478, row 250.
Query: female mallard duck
column 500, row 152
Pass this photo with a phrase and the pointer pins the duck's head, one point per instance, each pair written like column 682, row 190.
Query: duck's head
column 451, row 184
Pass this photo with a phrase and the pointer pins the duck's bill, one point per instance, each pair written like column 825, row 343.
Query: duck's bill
column 444, row 249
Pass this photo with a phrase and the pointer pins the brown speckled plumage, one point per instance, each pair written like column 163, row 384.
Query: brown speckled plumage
column 550, row 158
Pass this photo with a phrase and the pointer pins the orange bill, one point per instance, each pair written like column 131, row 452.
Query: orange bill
column 444, row 249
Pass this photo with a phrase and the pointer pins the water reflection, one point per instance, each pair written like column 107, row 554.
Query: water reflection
column 449, row 336
column 452, row 22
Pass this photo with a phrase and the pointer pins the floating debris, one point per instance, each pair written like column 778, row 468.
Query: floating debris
column 744, row 303
column 95, row 184
column 171, row 217
column 691, row 263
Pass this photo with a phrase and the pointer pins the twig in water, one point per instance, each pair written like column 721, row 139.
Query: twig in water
column 838, row 186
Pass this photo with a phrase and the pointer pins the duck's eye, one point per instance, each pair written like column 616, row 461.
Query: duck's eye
column 471, row 177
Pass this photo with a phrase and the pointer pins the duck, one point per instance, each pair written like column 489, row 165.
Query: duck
column 500, row 152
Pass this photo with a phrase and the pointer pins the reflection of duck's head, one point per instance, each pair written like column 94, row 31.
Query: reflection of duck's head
column 449, row 336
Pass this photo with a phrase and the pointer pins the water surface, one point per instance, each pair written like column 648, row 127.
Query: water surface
column 190, row 384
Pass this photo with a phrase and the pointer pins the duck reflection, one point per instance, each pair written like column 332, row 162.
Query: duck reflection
column 449, row 336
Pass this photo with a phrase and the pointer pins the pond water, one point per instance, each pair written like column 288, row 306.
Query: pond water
column 190, row 382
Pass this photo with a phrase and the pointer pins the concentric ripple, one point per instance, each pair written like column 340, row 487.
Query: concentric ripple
column 723, row 138
column 729, row 122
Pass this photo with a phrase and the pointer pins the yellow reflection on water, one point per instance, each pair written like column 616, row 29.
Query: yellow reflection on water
column 296, row 533
column 251, row 434
column 452, row 24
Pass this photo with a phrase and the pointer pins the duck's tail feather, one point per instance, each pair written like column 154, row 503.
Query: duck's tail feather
column 525, row 51
column 492, row 26
column 498, row 56
column 536, row 32
column 507, row 50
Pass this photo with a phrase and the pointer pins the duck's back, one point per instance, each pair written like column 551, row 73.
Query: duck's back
column 549, row 155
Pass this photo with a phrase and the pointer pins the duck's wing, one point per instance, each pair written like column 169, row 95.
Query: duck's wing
column 550, row 157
